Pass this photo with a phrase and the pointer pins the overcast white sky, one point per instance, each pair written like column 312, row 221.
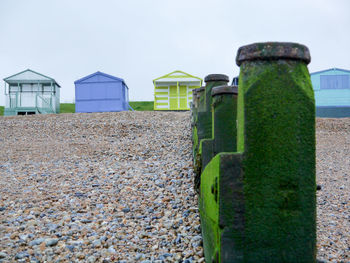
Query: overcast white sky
column 141, row 40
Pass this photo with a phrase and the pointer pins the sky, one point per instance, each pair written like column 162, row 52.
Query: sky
column 140, row 40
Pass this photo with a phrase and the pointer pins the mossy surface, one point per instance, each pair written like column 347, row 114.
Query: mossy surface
column 222, row 209
column 207, row 152
column 206, row 120
column 224, row 123
column 194, row 141
column 278, row 126
column 259, row 205
column 209, row 209
column 231, row 208
column 2, row 110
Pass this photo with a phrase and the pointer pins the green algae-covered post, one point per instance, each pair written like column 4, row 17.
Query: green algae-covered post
column 194, row 109
column 194, row 101
column 196, row 138
column 204, row 123
column 200, row 101
column 224, row 118
column 224, row 123
column 218, row 199
column 259, row 204
column 276, row 132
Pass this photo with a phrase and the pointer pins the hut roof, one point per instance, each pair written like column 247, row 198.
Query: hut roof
column 99, row 77
column 29, row 76
column 330, row 69
column 177, row 76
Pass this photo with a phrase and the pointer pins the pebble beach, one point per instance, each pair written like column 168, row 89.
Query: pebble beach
column 118, row 187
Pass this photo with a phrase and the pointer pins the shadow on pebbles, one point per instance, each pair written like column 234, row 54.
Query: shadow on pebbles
column 117, row 187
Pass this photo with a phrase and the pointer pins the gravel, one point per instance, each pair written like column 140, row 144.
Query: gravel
column 333, row 200
column 117, row 187
column 101, row 187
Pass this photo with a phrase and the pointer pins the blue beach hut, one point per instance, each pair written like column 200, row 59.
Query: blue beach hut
column 332, row 92
column 100, row 92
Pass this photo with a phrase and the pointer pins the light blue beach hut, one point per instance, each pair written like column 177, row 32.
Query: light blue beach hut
column 29, row 92
column 332, row 92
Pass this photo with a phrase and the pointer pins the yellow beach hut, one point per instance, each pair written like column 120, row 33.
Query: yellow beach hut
column 173, row 91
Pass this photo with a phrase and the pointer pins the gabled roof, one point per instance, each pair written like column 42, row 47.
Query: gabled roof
column 331, row 69
column 177, row 75
column 29, row 76
column 98, row 73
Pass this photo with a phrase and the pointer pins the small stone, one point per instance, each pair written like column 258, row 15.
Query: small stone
column 70, row 248
column 178, row 239
column 51, row 242
column 21, row 255
column 86, row 221
column 91, row 259
column 80, row 255
column 3, row 255
column 167, row 255
column 126, row 209
column 111, row 250
column 103, row 238
column 23, row 237
column 96, row 243
column 36, row 242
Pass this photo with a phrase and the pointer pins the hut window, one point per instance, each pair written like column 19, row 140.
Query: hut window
column 26, row 88
column 335, row 82
column 36, row 87
column 47, row 89
column 14, row 89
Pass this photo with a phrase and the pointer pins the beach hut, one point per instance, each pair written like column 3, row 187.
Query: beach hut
column 100, row 92
column 332, row 92
column 29, row 92
column 173, row 91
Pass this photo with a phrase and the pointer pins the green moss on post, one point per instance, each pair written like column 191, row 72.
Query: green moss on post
column 277, row 133
column 224, row 129
column 209, row 209
column 205, row 123
column 260, row 205
column 194, row 111
column 194, row 106
column 200, row 98
column 224, row 119
column 221, row 205
column 196, row 143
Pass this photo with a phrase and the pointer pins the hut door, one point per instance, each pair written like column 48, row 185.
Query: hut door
column 27, row 96
column 183, row 97
column 13, row 100
column 173, row 98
